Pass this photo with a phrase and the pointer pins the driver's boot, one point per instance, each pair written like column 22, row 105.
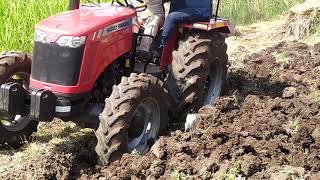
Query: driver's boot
column 143, row 55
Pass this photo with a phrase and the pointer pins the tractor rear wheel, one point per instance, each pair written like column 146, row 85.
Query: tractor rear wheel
column 198, row 72
column 134, row 115
column 15, row 129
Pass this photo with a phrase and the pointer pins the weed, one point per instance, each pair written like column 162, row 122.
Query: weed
column 281, row 58
column 207, row 176
column 295, row 123
column 274, row 72
column 177, row 175
column 314, row 95
column 232, row 174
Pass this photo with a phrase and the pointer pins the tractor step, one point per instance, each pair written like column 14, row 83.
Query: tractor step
column 152, row 69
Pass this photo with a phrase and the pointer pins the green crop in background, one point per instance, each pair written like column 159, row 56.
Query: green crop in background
column 249, row 11
column 18, row 17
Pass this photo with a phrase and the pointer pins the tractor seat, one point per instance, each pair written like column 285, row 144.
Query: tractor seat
column 212, row 24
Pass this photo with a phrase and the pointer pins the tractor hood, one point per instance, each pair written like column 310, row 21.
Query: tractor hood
column 83, row 21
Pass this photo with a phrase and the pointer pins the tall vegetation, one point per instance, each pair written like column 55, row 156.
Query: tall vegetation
column 249, row 11
column 18, row 17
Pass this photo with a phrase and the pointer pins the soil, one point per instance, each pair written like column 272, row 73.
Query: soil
column 267, row 126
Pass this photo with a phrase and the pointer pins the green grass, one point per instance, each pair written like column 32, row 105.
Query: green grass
column 18, row 17
column 249, row 11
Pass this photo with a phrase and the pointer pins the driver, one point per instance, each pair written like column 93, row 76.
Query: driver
column 152, row 20
column 185, row 11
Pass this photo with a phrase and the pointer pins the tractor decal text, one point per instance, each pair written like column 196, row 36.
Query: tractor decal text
column 111, row 28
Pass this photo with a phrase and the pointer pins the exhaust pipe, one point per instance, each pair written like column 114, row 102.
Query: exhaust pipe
column 74, row 4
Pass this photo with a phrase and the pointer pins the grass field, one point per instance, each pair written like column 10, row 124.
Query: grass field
column 249, row 11
column 18, row 17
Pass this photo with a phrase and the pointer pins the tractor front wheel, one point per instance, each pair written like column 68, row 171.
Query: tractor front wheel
column 134, row 115
column 15, row 129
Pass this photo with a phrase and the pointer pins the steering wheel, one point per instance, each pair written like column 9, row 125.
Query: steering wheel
column 120, row 3
column 140, row 8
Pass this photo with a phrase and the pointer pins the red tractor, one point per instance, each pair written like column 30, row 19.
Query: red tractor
column 84, row 69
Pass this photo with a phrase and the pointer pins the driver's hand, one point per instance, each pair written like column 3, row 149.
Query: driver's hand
column 139, row 3
column 143, row 4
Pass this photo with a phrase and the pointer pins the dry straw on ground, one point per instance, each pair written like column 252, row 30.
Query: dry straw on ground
column 300, row 21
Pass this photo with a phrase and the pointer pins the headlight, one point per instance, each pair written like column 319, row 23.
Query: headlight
column 70, row 41
column 41, row 37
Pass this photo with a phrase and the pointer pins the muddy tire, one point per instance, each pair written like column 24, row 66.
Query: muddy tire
column 134, row 115
column 13, row 65
column 198, row 72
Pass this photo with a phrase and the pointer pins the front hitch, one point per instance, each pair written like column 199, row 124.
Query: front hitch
column 12, row 98
column 43, row 105
column 15, row 100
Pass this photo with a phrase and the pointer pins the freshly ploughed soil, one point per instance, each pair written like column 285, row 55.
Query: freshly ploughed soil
column 267, row 126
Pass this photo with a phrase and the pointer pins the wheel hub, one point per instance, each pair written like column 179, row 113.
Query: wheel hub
column 213, row 84
column 144, row 126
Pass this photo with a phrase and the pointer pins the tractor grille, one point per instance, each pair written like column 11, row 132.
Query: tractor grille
column 55, row 64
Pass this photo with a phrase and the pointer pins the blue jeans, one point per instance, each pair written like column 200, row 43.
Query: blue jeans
column 188, row 15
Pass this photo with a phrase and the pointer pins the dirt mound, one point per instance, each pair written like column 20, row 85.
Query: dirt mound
column 268, row 126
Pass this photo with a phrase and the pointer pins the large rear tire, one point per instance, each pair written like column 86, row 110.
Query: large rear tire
column 15, row 130
column 134, row 115
column 198, row 72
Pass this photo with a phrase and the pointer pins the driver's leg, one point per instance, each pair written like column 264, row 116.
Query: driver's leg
column 151, row 27
column 188, row 15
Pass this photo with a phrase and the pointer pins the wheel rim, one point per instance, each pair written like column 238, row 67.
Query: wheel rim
column 144, row 126
column 16, row 122
column 213, row 84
